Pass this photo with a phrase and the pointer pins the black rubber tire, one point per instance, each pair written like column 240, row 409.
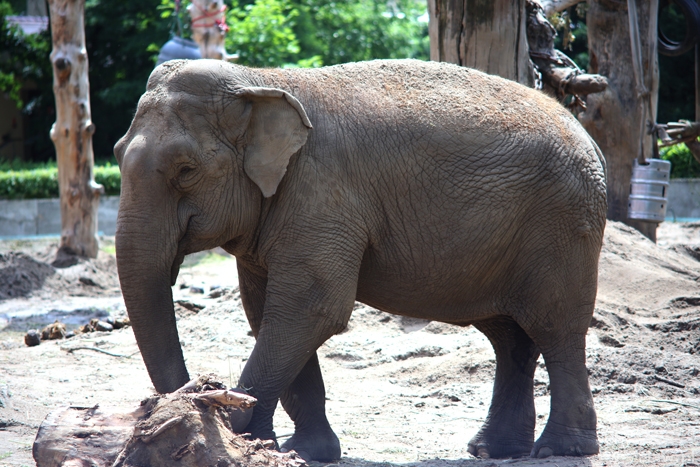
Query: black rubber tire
column 691, row 12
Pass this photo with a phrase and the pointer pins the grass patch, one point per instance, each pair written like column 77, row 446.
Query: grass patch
column 204, row 258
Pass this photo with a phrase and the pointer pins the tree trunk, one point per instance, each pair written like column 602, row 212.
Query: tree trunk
column 615, row 117
column 488, row 35
column 73, row 129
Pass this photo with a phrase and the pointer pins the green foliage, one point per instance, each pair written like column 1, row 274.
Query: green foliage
column 123, row 39
column 43, row 182
column 26, row 76
column 340, row 32
column 572, row 33
column 18, row 164
column 29, row 184
column 22, row 57
column 312, row 33
column 261, row 33
column 683, row 164
column 109, row 177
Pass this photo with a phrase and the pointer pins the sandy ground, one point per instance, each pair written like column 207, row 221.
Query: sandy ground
column 400, row 391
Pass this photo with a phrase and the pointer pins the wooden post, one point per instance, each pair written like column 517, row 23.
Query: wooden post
column 72, row 131
column 487, row 35
column 614, row 117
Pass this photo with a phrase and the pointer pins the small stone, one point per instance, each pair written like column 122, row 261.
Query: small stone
column 195, row 289
column 87, row 281
column 216, row 292
column 32, row 338
column 103, row 326
column 121, row 323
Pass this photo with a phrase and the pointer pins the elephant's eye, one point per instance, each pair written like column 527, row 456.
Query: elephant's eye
column 186, row 176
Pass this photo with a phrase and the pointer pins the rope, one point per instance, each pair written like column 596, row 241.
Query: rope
column 216, row 18
column 646, row 125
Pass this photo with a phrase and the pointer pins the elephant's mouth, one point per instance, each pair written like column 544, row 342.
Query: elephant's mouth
column 182, row 251
column 175, row 268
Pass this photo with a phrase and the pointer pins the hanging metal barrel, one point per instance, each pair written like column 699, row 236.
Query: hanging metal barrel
column 649, row 190
column 177, row 47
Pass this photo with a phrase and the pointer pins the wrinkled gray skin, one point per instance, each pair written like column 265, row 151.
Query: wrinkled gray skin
column 422, row 189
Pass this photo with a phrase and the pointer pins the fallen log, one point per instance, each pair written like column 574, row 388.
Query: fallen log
column 196, row 425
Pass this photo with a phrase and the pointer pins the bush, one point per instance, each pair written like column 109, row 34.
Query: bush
column 683, row 164
column 43, row 182
column 109, row 177
column 37, row 183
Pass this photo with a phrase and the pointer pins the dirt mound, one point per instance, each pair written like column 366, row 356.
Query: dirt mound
column 32, row 274
column 20, row 274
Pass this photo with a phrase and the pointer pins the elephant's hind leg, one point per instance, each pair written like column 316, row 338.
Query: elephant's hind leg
column 571, row 428
column 305, row 402
column 509, row 430
column 560, row 334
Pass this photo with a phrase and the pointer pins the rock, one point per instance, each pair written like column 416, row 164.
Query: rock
column 195, row 289
column 103, row 326
column 121, row 323
column 88, row 281
column 32, row 338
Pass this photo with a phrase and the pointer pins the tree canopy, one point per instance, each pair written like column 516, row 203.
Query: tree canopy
column 123, row 40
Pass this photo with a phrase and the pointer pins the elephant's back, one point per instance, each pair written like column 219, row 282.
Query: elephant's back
column 428, row 124
column 432, row 93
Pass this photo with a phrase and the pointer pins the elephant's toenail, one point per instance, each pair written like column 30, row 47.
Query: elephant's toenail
column 483, row 453
column 545, row 452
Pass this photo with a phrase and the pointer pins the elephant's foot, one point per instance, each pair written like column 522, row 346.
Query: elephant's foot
column 322, row 447
column 565, row 441
column 494, row 444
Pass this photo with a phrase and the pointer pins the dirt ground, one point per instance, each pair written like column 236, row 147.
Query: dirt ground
column 400, row 391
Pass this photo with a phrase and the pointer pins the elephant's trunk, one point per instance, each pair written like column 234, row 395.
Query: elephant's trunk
column 145, row 261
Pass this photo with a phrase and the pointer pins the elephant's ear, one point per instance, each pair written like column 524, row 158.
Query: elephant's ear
column 278, row 128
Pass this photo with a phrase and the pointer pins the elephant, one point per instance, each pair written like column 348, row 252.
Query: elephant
column 422, row 189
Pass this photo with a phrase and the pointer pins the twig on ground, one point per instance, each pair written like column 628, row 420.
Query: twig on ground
column 106, row 352
column 677, row 403
column 668, row 381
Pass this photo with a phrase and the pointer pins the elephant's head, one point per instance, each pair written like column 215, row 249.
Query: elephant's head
column 205, row 147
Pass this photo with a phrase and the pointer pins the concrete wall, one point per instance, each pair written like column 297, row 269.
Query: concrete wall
column 24, row 218
column 683, row 199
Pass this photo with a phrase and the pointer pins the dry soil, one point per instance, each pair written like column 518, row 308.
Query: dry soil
column 400, row 391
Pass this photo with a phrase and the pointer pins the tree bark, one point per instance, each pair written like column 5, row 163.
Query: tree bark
column 615, row 117
column 489, row 35
column 73, row 129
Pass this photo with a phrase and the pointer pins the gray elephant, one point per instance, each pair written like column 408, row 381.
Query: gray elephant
column 422, row 189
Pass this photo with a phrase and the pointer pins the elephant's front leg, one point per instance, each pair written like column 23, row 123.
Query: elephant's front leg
column 304, row 306
column 305, row 402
